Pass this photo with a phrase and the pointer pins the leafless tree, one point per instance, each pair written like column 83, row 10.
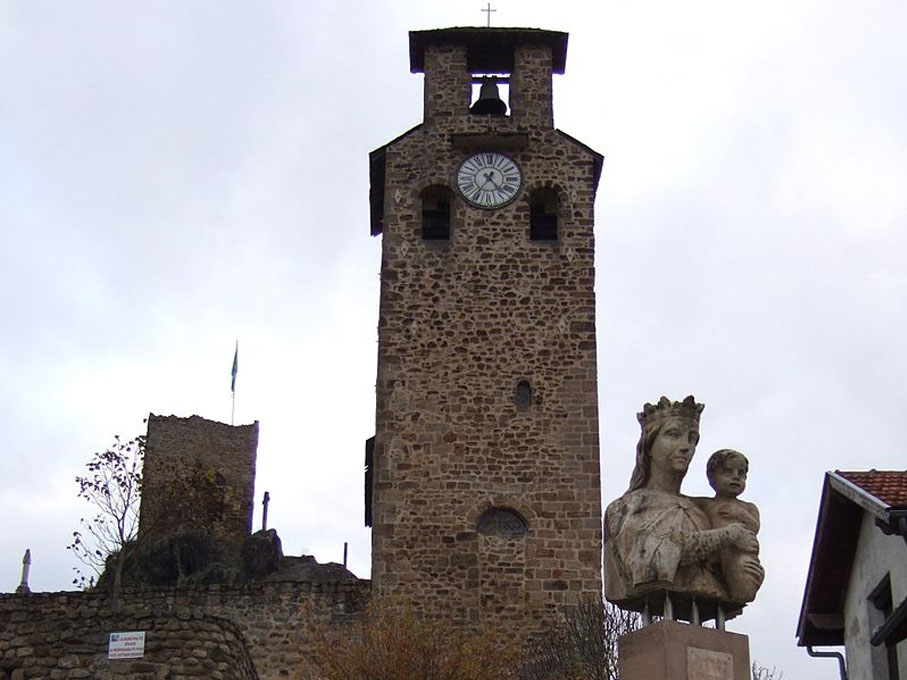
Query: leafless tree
column 584, row 647
column 113, row 487
column 763, row 673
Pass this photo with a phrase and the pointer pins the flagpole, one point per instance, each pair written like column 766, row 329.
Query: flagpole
column 233, row 381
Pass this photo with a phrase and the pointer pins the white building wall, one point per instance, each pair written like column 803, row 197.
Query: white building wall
column 876, row 556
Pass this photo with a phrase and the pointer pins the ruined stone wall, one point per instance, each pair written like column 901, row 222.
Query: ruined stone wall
column 462, row 323
column 256, row 632
column 199, row 475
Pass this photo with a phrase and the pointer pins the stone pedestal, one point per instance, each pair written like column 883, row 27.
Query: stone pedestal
column 668, row 650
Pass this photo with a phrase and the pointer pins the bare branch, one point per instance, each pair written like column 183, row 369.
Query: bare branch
column 584, row 647
column 113, row 487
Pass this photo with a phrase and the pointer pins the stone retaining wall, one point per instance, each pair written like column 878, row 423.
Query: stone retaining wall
column 253, row 632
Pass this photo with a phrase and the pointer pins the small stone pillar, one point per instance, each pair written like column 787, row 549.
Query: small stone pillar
column 23, row 588
column 668, row 650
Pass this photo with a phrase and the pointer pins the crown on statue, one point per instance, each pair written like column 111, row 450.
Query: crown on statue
column 687, row 410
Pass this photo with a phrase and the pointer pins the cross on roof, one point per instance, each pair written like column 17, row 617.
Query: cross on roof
column 488, row 12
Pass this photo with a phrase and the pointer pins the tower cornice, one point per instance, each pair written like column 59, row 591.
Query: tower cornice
column 489, row 50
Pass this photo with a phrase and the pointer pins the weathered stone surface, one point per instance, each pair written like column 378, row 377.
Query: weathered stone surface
column 661, row 544
column 235, row 633
column 306, row 568
column 667, row 650
column 181, row 559
column 740, row 568
column 261, row 554
column 463, row 322
column 198, row 478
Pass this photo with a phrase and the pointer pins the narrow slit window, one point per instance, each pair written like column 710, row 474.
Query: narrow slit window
column 543, row 215
column 523, row 396
column 436, row 214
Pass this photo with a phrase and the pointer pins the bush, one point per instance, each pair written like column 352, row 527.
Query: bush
column 393, row 643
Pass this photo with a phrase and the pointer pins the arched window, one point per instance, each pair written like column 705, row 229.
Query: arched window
column 436, row 213
column 502, row 523
column 523, row 397
column 543, row 215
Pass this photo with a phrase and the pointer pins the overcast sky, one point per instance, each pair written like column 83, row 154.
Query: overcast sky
column 175, row 176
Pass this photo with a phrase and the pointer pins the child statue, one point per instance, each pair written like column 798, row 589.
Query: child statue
column 726, row 471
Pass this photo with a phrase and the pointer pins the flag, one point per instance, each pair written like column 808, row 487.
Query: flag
column 235, row 368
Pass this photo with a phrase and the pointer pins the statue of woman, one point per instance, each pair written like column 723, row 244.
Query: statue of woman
column 657, row 540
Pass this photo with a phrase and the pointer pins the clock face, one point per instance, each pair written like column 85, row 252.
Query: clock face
column 489, row 179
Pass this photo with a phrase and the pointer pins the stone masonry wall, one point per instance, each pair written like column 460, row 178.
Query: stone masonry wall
column 530, row 87
column 461, row 323
column 265, row 631
column 199, row 475
column 448, row 84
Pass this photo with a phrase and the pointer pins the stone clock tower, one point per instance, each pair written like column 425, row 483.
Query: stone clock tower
column 482, row 482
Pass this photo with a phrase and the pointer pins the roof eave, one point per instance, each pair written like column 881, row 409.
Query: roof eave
column 859, row 495
column 834, row 547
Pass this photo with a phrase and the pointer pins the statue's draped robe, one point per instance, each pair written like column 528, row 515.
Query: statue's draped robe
column 651, row 546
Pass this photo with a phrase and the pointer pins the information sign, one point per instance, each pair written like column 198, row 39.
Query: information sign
column 126, row 645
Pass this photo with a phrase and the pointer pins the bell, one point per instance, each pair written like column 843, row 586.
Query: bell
column 489, row 102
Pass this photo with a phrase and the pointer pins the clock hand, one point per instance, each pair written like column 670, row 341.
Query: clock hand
column 489, row 177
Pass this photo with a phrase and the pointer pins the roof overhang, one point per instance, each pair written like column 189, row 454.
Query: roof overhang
column 488, row 50
column 859, row 496
column 834, row 546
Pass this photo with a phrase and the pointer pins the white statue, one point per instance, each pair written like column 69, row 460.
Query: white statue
column 662, row 549
column 726, row 471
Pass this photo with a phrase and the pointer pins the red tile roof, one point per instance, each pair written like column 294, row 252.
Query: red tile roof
column 889, row 486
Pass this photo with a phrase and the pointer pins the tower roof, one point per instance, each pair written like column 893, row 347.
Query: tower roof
column 489, row 50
